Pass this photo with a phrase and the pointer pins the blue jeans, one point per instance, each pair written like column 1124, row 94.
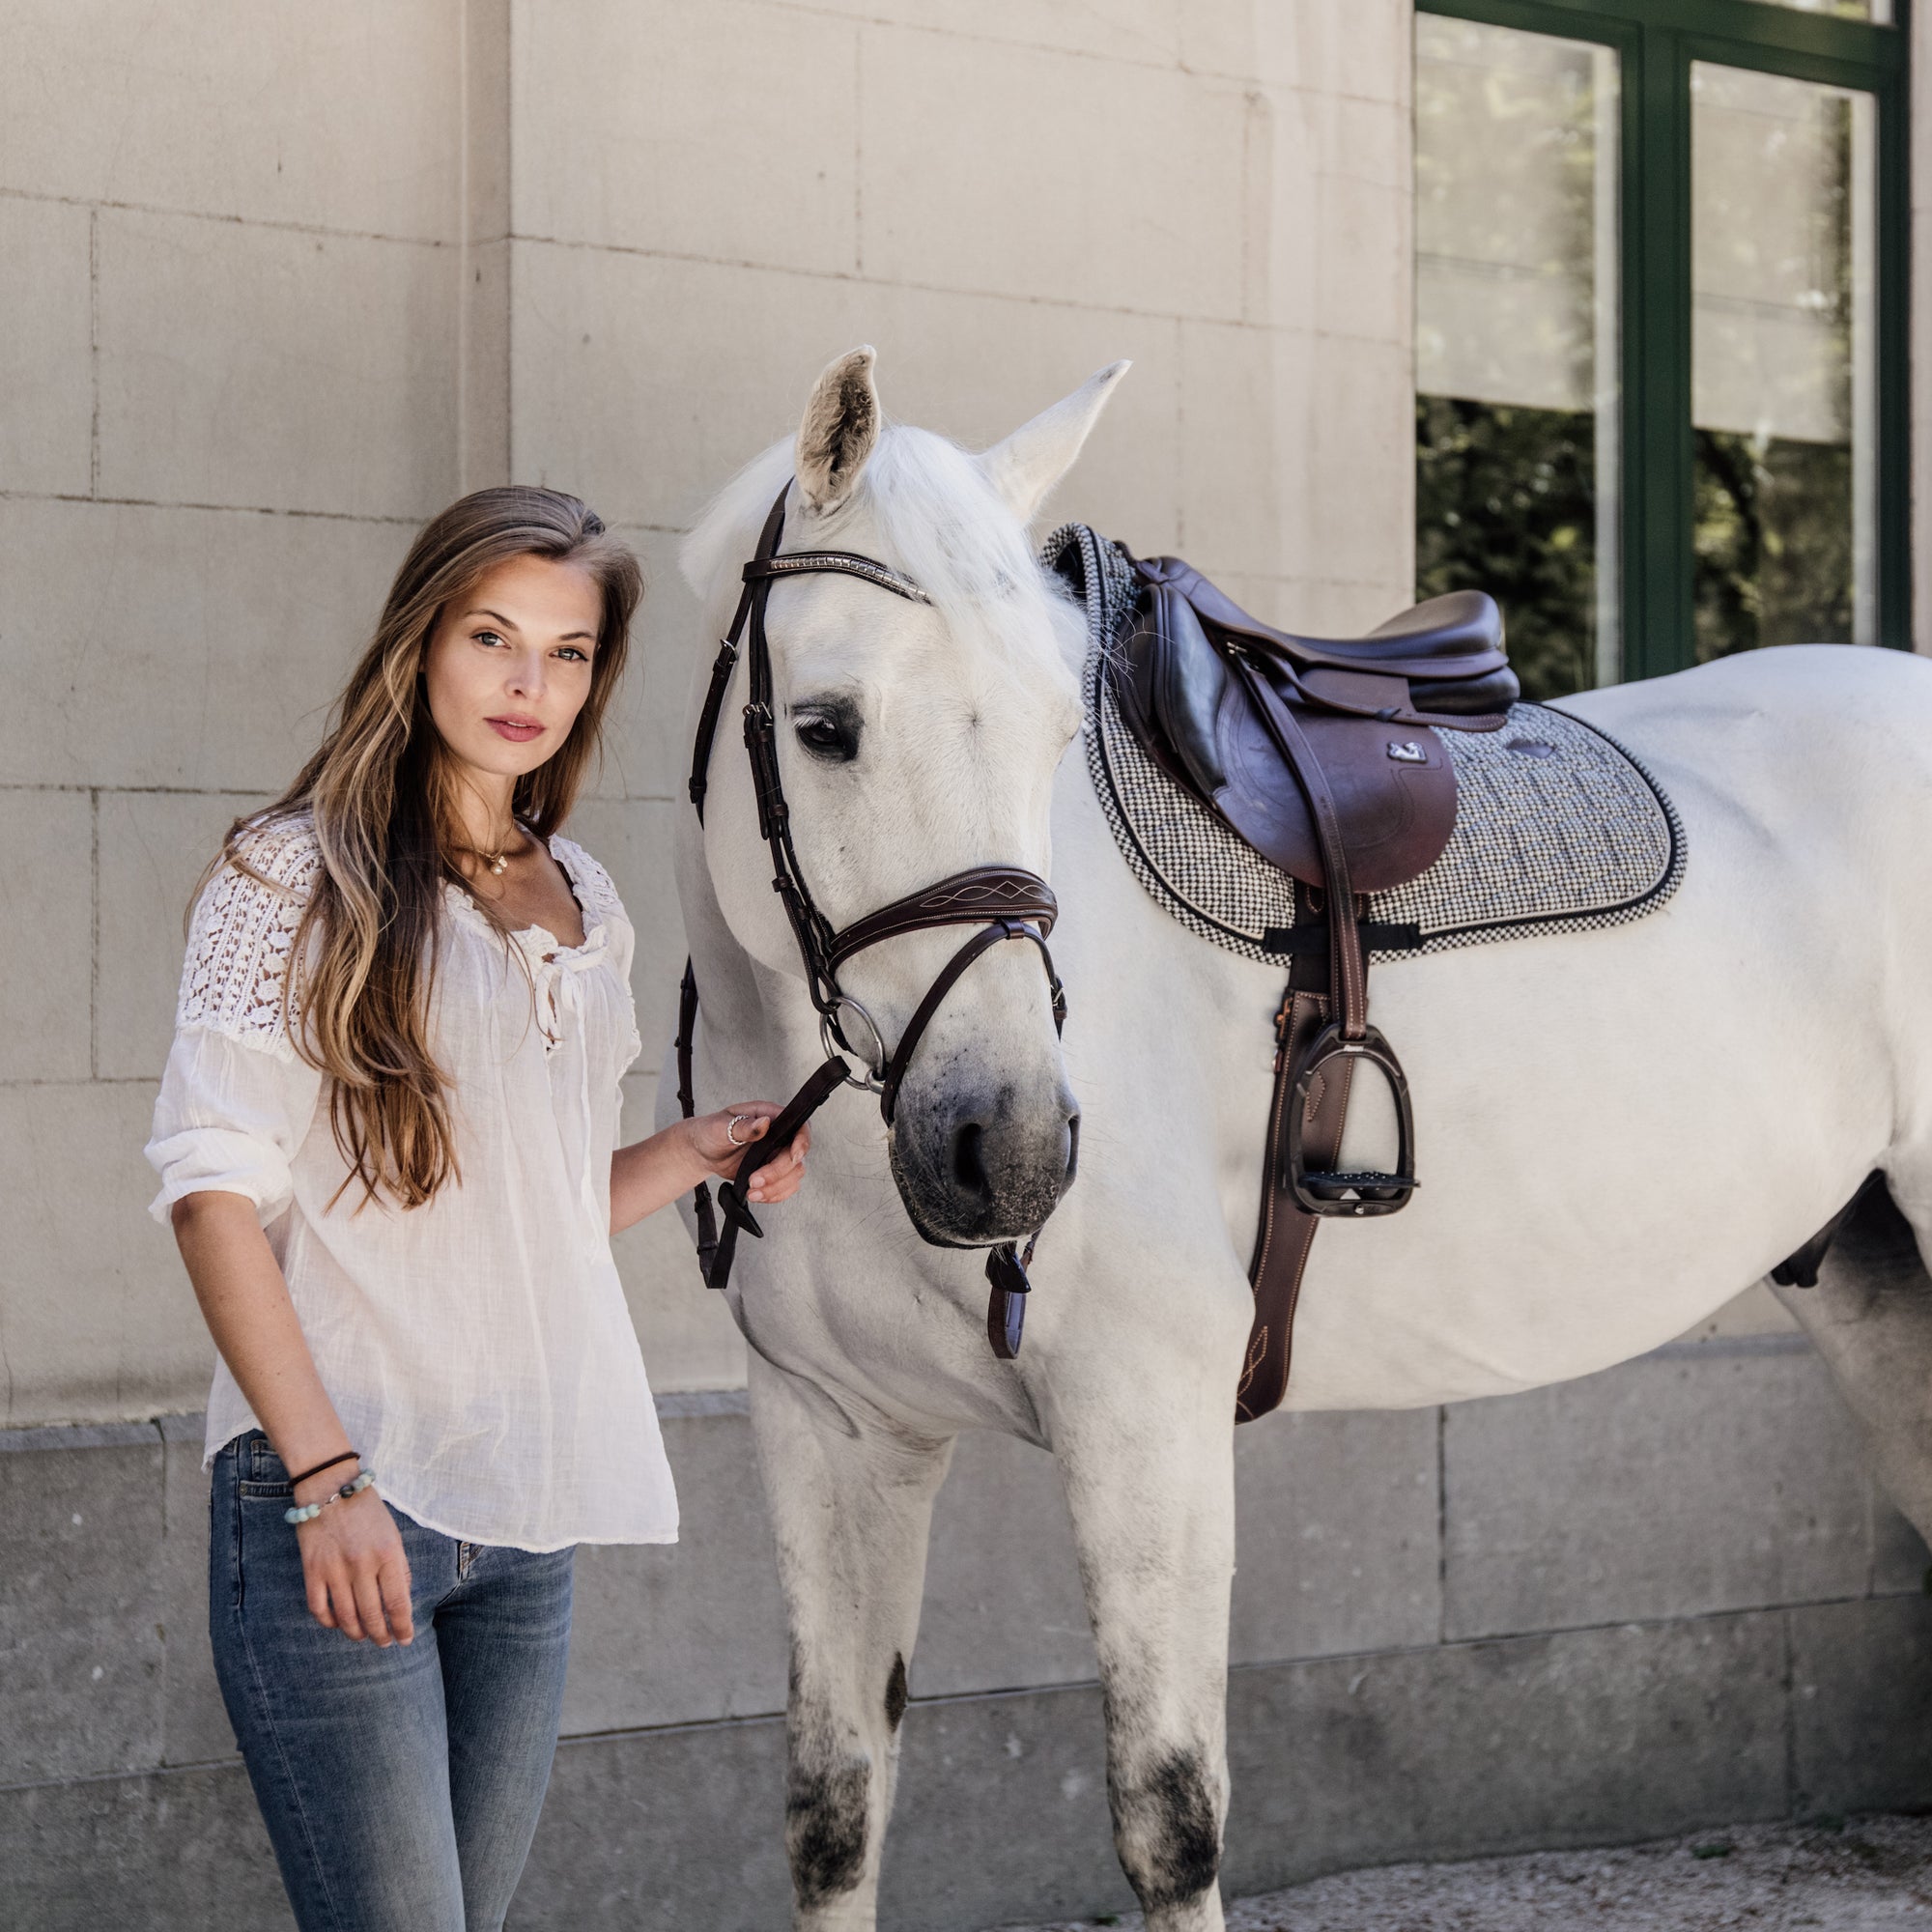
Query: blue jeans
column 401, row 1787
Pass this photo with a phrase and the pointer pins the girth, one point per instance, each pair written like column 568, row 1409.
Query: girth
column 1323, row 754
column 1004, row 901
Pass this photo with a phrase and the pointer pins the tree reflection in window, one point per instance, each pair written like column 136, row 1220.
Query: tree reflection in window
column 1516, row 333
column 1782, row 362
column 1775, row 562
column 1506, row 502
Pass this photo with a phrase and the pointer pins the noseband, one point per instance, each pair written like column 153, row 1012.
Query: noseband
column 1004, row 901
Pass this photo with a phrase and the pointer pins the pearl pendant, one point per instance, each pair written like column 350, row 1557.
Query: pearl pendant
column 500, row 863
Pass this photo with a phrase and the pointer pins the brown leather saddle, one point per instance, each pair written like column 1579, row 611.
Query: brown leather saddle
column 1323, row 754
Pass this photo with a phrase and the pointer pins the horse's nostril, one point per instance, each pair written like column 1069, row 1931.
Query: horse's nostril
column 969, row 1168
column 1072, row 1148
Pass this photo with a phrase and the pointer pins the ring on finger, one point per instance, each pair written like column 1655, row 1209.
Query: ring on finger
column 731, row 1129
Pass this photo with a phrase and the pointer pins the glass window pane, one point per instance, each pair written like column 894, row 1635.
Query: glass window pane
column 1782, row 372
column 1879, row 11
column 1516, row 458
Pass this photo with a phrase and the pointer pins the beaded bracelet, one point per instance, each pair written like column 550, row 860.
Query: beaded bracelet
column 308, row 1512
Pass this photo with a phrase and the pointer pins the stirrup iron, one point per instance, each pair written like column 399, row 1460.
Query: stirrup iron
column 1341, row 1191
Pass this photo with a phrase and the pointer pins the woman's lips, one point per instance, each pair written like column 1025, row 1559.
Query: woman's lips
column 518, row 730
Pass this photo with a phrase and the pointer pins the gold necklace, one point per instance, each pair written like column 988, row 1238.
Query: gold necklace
column 496, row 863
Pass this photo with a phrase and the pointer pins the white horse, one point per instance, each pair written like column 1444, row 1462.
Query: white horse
column 1619, row 1131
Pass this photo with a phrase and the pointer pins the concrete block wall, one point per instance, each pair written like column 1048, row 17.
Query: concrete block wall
column 1665, row 1596
column 284, row 285
column 230, row 356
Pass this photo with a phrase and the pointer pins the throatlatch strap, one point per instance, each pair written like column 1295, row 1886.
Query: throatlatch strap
column 728, row 656
column 721, row 668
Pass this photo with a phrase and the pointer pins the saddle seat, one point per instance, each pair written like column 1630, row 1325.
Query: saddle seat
column 1230, row 706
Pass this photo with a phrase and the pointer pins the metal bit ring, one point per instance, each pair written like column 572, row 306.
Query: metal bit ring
column 832, row 1035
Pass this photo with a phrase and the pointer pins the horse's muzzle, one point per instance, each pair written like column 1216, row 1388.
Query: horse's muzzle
column 975, row 1169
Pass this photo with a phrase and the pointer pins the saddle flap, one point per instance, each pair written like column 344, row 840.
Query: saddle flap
column 1391, row 778
column 1393, row 786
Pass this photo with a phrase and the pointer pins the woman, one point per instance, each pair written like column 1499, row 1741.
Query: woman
column 387, row 1143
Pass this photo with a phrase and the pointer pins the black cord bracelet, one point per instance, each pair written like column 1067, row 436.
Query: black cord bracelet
column 347, row 1456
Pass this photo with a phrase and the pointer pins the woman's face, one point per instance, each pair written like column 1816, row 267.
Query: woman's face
column 509, row 666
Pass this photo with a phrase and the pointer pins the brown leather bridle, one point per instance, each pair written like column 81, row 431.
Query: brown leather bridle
column 1004, row 901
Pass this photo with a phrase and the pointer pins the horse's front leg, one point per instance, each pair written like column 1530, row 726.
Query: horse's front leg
column 851, row 1503
column 1147, row 1465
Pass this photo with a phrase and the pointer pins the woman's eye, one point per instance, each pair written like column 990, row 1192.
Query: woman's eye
column 828, row 737
column 488, row 637
column 571, row 654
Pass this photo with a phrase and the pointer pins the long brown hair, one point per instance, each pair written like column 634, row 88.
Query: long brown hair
column 381, row 795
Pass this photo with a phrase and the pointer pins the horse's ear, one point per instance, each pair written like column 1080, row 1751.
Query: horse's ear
column 1038, row 454
column 838, row 432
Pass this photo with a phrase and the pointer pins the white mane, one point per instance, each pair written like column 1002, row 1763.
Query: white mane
column 927, row 508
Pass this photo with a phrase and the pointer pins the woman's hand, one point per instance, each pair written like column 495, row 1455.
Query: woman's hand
column 711, row 1137
column 352, row 1561
column 353, row 1565
column 648, row 1174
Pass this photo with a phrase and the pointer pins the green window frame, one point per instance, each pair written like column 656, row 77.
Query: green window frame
column 1657, row 42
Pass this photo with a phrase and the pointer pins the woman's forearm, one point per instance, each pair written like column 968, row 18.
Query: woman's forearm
column 650, row 1173
column 246, row 1306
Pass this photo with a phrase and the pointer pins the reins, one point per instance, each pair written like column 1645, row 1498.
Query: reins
column 1006, row 901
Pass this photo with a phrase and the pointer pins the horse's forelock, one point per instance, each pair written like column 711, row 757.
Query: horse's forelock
column 937, row 517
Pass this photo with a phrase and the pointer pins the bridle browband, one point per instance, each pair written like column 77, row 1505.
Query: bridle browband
column 1004, row 901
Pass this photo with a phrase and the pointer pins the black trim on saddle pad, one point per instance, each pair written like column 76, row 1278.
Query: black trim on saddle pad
column 1558, row 829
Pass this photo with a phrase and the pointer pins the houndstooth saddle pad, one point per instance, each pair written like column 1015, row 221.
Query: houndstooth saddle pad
column 1558, row 829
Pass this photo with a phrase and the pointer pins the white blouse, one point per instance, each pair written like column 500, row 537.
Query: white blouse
column 477, row 1348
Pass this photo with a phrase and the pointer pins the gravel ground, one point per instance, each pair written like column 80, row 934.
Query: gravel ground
column 1861, row 1875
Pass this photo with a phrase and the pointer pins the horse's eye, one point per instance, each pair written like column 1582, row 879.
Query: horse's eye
column 829, row 735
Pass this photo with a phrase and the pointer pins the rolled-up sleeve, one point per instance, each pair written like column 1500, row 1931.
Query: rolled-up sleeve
column 229, row 1120
column 237, row 1099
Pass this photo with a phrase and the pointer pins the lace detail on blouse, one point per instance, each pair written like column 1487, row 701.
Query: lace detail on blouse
column 595, row 893
column 243, row 938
